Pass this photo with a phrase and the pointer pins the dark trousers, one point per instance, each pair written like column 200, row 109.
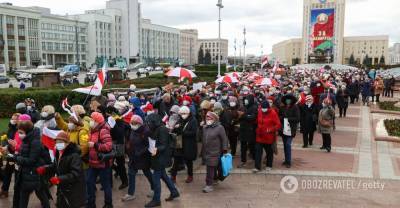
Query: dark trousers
column 7, row 175
column 105, row 180
column 326, row 141
column 287, row 148
column 342, row 111
column 177, row 162
column 352, row 98
column 233, row 140
column 121, row 170
column 157, row 176
column 244, row 146
column 132, row 179
column 259, row 152
column 308, row 137
column 377, row 98
column 40, row 193
column 211, row 174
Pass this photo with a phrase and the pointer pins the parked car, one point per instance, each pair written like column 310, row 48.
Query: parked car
column 91, row 75
column 70, row 69
column 4, row 80
column 158, row 68
column 143, row 70
column 24, row 76
column 149, row 68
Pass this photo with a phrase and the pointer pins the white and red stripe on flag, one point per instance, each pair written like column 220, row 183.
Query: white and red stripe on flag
column 48, row 140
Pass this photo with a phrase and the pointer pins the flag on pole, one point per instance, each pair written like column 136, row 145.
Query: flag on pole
column 98, row 84
column 48, row 140
column 264, row 61
column 65, row 105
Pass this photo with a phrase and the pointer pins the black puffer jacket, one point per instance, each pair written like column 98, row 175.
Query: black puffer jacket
column 248, row 122
column 291, row 112
column 139, row 155
column 71, row 190
column 309, row 118
column 189, row 136
column 29, row 158
column 159, row 133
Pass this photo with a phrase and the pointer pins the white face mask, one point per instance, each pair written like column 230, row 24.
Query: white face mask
column 44, row 114
column 60, row 146
column 185, row 116
column 92, row 124
column 232, row 104
column 13, row 122
column 318, row 85
column 264, row 110
column 209, row 122
column 71, row 126
column 150, row 112
column 186, row 103
column 21, row 136
column 224, row 97
column 135, row 127
column 29, row 107
column 212, row 101
column 246, row 102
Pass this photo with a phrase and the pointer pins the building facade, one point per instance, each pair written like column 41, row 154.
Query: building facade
column 212, row 46
column 188, row 46
column 19, row 36
column 323, row 39
column 158, row 43
column 394, row 54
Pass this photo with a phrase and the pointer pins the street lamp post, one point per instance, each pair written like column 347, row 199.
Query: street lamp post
column 244, row 49
column 234, row 57
column 220, row 6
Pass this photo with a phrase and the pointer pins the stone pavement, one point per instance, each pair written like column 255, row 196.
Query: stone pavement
column 355, row 156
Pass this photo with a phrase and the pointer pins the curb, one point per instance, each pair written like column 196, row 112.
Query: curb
column 388, row 139
column 387, row 112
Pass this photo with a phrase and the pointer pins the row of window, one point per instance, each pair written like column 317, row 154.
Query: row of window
column 65, row 37
column 65, row 47
column 65, row 28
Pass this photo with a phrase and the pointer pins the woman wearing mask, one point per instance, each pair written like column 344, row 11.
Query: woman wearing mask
column 289, row 115
column 189, row 143
column 139, row 156
column 69, row 177
column 308, row 121
column 28, row 159
column 100, row 144
column 342, row 99
column 325, row 123
column 267, row 128
column 12, row 146
column 214, row 144
column 230, row 121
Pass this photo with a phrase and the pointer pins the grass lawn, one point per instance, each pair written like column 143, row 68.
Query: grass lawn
column 393, row 127
column 3, row 125
column 389, row 106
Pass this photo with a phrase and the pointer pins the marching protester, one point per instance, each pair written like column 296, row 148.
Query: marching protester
column 308, row 121
column 342, row 99
column 326, row 124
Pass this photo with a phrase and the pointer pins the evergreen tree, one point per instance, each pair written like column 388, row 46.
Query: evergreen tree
column 366, row 60
column 351, row 60
column 207, row 58
column 201, row 56
column 382, row 60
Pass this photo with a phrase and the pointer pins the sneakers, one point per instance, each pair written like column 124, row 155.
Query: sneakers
column 150, row 194
column 172, row 197
column 268, row 169
column 242, row 165
column 255, row 170
column 189, row 179
column 153, row 204
column 208, row 189
column 128, row 197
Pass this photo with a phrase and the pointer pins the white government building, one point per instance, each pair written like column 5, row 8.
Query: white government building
column 31, row 36
column 212, row 45
column 323, row 39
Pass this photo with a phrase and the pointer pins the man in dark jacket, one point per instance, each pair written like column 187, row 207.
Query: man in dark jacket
column 248, row 125
column 160, row 159
column 165, row 105
column 290, row 116
column 354, row 90
column 139, row 156
column 69, row 178
column 308, row 121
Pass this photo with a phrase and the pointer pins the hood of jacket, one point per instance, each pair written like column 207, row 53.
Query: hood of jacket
column 136, row 102
column 291, row 97
column 153, row 121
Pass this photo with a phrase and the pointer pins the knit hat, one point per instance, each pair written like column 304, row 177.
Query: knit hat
column 137, row 119
column 24, row 117
column 20, row 106
column 265, row 104
column 121, row 98
column 120, row 106
column 148, row 107
column 187, row 98
column 97, row 117
column 184, row 110
column 212, row 115
column 174, row 109
column 63, row 136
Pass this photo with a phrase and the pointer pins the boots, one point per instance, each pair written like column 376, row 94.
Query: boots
column 189, row 179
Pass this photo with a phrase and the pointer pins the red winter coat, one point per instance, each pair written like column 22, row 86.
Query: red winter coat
column 102, row 144
column 267, row 121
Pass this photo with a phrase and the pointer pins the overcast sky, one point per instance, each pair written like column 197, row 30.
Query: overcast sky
column 267, row 21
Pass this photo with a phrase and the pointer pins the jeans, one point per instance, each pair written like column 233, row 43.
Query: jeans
column 259, row 152
column 121, row 170
column 244, row 145
column 132, row 179
column 157, row 176
column 308, row 137
column 105, row 180
column 210, row 176
column 326, row 141
column 287, row 148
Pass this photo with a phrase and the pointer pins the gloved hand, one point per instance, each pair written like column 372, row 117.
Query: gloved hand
column 55, row 180
column 41, row 170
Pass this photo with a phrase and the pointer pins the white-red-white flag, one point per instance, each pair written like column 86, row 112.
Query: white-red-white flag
column 48, row 140
column 98, row 84
column 264, row 61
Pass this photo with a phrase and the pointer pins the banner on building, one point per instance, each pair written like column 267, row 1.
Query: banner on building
column 322, row 29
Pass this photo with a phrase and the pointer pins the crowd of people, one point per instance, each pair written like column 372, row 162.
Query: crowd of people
column 165, row 132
